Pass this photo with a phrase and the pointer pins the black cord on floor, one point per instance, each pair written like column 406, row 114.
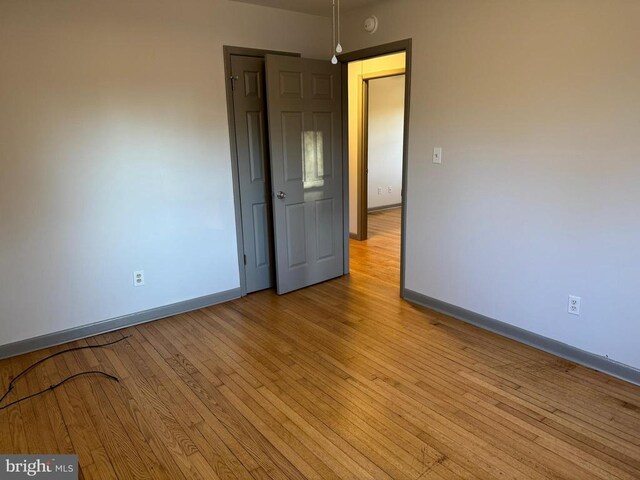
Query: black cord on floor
column 51, row 387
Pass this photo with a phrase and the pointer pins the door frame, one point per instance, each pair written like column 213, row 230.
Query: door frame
column 363, row 156
column 228, row 51
column 363, row 54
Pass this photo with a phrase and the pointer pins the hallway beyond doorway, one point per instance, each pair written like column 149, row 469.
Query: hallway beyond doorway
column 379, row 256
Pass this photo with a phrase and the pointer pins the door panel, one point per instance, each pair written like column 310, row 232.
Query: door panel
column 323, row 126
column 304, row 98
column 324, row 228
column 322, row 87
column 261, row 219
column 255, row 134
column 290, row 85
column 296, row 233
column 249, row 103
column 292, row 145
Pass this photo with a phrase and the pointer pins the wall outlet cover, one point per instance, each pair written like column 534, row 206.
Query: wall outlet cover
column 138, row 278
column 574, row 305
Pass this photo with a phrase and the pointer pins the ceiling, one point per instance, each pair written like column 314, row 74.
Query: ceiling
column 315, row 7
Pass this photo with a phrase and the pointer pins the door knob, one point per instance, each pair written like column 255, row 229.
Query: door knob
column 281, row 195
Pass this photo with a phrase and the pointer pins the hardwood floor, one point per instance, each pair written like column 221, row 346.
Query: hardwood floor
column 340, row 380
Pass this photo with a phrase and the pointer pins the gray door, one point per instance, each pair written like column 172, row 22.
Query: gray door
column 249, row 105
column 305, row 138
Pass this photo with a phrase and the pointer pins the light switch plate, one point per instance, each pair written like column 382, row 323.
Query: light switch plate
column 437, row 155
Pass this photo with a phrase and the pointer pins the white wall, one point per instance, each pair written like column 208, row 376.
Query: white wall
column 114, row 153
column 386, row 140
column 537, row 107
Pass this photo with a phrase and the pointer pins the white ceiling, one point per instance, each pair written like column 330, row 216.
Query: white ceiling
column 315, row 7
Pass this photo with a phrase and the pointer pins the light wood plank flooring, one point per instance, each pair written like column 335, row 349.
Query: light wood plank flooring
column 340, row 380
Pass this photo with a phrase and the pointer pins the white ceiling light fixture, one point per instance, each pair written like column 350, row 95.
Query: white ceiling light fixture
column 371, row 24
column 336, row 47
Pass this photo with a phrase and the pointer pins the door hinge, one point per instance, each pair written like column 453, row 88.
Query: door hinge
column 245, row 259
column 233, row 79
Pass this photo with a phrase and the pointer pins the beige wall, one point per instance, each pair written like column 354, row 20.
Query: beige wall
column 114, row 153
column 536, row 105
column 385, row 127
column 357, row 70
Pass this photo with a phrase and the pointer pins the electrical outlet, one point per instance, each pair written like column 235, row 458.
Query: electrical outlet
column 138, row 278
column 389, row 189
column 379, row 190
column 574, row 305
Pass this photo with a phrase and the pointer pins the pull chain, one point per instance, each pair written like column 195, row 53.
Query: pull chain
column 338, row 46
column 334, row 59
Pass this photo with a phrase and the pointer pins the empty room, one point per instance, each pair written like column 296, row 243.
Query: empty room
column 319, row 239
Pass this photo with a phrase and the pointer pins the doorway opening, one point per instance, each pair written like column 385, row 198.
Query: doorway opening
column 378, row 83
